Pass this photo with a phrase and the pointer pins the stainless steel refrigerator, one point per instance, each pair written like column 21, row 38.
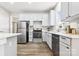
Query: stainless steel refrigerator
column 23, row 27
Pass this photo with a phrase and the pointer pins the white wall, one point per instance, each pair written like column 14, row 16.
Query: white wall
column 4, row 20
column 37, row 24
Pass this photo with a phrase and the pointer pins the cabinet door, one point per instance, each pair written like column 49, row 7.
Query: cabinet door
column 64, row 50
column 49, row 40
column 45, row 20
column 30, row 36
column 75, row 47
column 4, row 21
column 44, row 36
column 52, row 17
column 64, row 10
column 10, row 48
column 58, row 13
column 73, row 8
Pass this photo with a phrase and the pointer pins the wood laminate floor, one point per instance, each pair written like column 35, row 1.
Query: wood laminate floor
column 33, row 49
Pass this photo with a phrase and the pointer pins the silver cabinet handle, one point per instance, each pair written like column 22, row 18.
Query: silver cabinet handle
column 67, row 47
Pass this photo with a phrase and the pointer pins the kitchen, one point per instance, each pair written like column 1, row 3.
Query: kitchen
column 39, row 29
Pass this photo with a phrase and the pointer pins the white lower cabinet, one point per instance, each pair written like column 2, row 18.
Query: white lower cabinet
column 65, row 47
column 30, row 39
column 30, row 36
column 69, row 49
column 49, row 40
column 75, row 47
column 47, row 37
column 2, row 50
column 9, row 48
column 44, row 36
column 64, row 50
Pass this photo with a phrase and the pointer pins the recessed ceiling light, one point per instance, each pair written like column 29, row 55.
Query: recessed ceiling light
column 29, row 2
column 11, row 3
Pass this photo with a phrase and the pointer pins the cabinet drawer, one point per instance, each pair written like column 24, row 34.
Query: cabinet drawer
column 64, row 50
column 65, row 40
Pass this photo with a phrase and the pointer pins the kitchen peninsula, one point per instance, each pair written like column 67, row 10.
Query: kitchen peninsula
column 66, row 44
column 8, row 44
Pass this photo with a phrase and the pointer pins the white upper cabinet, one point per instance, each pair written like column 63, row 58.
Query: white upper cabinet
column 55, row 15
column 45, row 20
column 52, row 18
column 4, row 21
column 73, row 8
column 58, row 14
column 69, row 9
column 64, row 10
column 35, row 17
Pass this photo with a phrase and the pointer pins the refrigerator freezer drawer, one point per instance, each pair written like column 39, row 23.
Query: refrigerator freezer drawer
column 22, row 39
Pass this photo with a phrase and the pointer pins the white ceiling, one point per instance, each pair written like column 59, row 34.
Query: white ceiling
column 27, row 7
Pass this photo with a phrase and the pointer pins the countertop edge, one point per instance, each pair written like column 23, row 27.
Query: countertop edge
column 7, row 35
column 64, row 34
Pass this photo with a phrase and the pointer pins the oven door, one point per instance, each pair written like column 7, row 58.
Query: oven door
column 37, row 34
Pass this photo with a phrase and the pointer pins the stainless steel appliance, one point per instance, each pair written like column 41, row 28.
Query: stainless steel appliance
column 37, row 35
column 23, row 27
column 55, row 44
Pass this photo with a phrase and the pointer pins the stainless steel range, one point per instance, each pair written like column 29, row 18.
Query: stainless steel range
column 37, row 35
